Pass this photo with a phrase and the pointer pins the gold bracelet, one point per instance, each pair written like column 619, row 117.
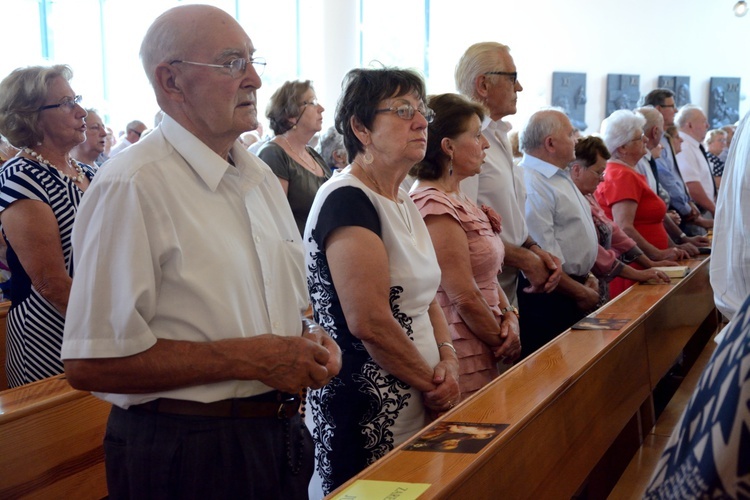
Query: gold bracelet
column 448, row 345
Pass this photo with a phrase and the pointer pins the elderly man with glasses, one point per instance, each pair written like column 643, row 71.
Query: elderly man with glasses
column 487, row 74
column 670, row 178
column 196, row 334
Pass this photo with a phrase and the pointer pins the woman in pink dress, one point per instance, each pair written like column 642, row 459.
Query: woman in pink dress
column 483, row 324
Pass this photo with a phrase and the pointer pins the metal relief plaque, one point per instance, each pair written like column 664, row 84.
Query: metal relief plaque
column 680, row 85
column 569, row 93
column 623, row 92
column 723, row 101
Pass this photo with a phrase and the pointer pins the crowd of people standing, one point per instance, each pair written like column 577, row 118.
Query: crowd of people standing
column 201, row 335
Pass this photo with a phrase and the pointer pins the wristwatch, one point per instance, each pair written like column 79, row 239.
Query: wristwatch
column 510, row 308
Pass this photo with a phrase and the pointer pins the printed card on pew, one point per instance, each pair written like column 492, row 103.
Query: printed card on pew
column 457, row 437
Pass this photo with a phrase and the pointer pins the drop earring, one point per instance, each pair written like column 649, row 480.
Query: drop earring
column 450, row 167
column 368, row 159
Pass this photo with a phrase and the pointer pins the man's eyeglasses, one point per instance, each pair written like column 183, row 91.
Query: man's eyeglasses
column 236, row 67
column 406, row 112
column 513, row 75
column 66, row 103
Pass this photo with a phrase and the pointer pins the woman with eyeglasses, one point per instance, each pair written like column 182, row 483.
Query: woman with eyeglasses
column 626, row 197
column 40, row 189
column 295, row 117
column 616, row 249
column 483, row 324
column 373, row 275
column 715, row 142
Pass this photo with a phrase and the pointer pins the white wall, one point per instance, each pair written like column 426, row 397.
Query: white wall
column 696, row 38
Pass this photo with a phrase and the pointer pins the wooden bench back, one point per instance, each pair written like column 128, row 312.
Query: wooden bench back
column 567, row 405
column 51, row 440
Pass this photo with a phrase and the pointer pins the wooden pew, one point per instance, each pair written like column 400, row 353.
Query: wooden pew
column 51, row 440
column 572, row 408
column 634, row 481
column 4, row 307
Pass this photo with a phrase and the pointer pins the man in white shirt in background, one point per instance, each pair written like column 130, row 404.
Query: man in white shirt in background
column 487, row 74
column 692, row 161
column 559, row 219
column 133, row 132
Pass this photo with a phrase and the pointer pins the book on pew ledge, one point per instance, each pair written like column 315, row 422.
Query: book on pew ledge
column 674, row 271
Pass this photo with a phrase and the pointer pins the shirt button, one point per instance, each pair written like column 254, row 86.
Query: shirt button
column 275, row 325
column 257, row 239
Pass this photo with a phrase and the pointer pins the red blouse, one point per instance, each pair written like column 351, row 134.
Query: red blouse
column 624, row 183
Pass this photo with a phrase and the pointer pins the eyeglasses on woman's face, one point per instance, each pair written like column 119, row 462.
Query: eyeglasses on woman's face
column 406, row 111
column 66, row 103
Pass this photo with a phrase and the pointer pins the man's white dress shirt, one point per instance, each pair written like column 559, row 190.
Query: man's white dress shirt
column 559, row 217
column 173, row 242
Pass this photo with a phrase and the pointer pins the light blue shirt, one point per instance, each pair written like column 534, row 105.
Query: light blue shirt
column 558, row 216
column 670, row 180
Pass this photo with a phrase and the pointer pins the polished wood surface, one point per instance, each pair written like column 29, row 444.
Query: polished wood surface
column 566, row 404
column 637, row 476
column 51, row 439
column 4, row 308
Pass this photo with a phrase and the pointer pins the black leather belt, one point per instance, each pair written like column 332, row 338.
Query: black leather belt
column 274, row 404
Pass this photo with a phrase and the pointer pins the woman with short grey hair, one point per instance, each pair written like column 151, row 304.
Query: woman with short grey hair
column 332, row 149
column 715, row 142
column 40, row 189
column 625, row 195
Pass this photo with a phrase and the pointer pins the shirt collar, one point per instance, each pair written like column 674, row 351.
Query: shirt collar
column 498, row 125
column 541, row 166
column 688, row 138
column 208, row 165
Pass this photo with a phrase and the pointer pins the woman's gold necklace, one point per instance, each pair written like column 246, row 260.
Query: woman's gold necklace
column 304, row 162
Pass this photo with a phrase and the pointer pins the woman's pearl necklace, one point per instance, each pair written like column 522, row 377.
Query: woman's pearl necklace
column 77, row 178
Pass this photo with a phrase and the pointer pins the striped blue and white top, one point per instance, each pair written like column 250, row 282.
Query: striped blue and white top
column 35, row 327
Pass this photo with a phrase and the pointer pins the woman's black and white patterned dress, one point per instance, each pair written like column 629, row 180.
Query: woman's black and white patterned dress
column 35, row 328
column 365, row 411
column 717, row 164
